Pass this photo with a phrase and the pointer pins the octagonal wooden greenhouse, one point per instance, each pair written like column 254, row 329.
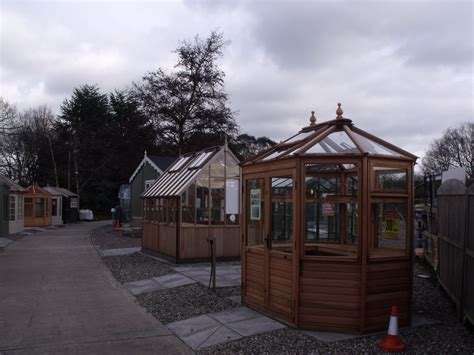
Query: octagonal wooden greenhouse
column 327, row 229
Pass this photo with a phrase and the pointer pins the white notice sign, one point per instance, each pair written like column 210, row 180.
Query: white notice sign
column 232, row 196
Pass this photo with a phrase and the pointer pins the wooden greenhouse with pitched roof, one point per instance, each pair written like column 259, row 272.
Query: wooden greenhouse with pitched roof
column 37, row 207
column 196, row 199
column 327, row 229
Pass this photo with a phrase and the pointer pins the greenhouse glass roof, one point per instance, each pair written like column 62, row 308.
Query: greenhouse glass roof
column 183, row 172
column 337, row 137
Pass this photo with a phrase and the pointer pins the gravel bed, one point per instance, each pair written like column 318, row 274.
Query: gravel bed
column 170, row 305
column 134, row 267
column 107, row 237
column 189, row 301
column 447, row 337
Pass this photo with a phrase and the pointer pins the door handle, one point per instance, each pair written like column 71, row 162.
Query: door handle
column 267, row 240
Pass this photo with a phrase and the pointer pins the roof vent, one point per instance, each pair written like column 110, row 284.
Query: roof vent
column 312, row 119
column 339, row 112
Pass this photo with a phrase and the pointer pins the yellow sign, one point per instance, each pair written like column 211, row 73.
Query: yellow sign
column 392, row 225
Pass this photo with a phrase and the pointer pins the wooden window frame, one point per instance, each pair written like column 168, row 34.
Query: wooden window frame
column 338, row 199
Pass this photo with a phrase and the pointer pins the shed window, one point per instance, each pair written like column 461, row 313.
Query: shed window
column 332, row 210
column 39, row 207
column 282, row 213
column 20, row 208
column 217, row 201
column 389, row 229
column 188, row 205
column 54, row 204
column 255, row 216
column 202, row 200
column 12, row 208
column 148, row 183
column 390, row 179
column 28, row 207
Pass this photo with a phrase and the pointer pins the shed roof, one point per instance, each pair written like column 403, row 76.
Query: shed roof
column 36, row 190
column 14, row 187
column 59, row 191
column 157, row 162
column 336, row 137
column 182, row 172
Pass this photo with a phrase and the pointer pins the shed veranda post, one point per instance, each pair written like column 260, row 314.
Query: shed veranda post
column 327, row 229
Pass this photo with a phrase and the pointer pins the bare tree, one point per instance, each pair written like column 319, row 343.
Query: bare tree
column 8, row 117
column 453, row 149
column 41, row 119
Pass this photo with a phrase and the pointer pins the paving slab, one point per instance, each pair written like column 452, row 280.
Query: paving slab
column 4, row 242
column 255, row 325
column 216, row 328
column 234, row 315
column 173, row 280
column 221, row 335
column 143, row 286
column 193, row 325
column 236, row 299
column 227, row 275
column 120, row 251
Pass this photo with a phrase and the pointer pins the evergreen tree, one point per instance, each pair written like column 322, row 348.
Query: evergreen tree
column 190, row 102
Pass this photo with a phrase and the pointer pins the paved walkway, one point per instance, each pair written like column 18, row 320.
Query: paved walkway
column 217, row 328
column 56, row 296
column 226, row 275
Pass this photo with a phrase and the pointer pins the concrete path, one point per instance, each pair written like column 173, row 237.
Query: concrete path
column 56, row 296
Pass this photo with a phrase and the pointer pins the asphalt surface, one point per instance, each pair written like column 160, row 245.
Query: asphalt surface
column 57, row 297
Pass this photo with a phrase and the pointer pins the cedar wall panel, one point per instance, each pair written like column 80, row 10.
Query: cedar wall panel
column 167, row 239
column 150, row 236
column 254, row 294
column 329, row 296
column 194, row 244
column 388, row 284
column 281, row 287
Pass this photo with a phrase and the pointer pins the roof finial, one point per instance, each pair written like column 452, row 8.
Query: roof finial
column 312, row 119
column 145, row 152
column 339, row 112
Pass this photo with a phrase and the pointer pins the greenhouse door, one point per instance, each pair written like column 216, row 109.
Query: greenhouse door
column 269, row 246
column 279, row 246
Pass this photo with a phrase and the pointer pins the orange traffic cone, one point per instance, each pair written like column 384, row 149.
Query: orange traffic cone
column 117, row 225
column 392, row 342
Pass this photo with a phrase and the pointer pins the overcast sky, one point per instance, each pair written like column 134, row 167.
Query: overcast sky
column 402, row 70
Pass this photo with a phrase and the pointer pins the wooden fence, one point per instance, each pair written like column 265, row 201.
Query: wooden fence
column 456, row 245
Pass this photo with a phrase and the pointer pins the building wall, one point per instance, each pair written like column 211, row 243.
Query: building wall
column 147, row 172
column 4, row 205
column 18, row 224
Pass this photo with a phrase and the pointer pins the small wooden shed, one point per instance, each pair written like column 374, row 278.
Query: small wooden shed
column 70, row 205
column 195, row 200
column 146, row 173
column 327, row 229
column 56, row 205
column 15, row 205
column 37, row 207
